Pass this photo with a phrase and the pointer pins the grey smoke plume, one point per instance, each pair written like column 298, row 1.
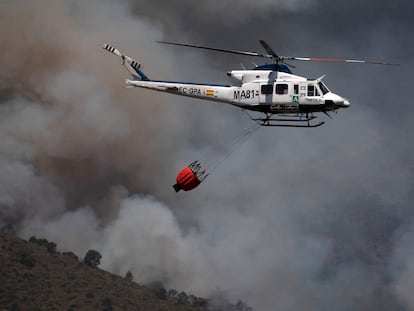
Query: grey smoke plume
column 295, row 219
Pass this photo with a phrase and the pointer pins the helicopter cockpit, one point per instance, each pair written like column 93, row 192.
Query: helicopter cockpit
column 315, row 89
column 323, row 87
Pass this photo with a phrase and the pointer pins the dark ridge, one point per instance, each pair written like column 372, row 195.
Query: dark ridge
column 34, row 276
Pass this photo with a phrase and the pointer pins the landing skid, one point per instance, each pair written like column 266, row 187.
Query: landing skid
column 292, row 125
column 281, row 122
column 285, row 119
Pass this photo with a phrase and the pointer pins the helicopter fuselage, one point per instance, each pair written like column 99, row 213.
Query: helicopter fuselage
column 265, row 91
column 271, row 89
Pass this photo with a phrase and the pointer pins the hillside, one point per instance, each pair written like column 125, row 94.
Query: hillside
column 33, row 277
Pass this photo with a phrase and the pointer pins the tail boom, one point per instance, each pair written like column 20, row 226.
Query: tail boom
column 219, row 93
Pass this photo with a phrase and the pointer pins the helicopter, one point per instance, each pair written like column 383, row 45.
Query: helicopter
column 281, row 98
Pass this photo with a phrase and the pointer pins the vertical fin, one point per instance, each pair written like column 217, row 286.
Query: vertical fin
column 133, row 67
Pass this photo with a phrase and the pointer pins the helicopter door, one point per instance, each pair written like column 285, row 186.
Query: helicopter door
column 282, row 93
column 266, row 94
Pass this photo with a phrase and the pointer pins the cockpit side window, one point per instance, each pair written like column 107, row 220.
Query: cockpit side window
column 323, row 88
column 313, row 90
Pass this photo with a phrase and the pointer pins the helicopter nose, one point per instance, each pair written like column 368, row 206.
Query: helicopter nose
column 346, row 103
column 336, row 101
column 342, row 102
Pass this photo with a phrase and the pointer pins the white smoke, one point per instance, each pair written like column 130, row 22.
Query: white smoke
column 403, row 268
column 245, row 7
column 287, row 221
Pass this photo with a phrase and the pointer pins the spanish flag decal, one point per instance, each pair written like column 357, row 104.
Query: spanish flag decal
column 209, row 92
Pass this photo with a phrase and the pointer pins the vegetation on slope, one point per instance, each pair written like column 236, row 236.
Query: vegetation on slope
column 35, row 276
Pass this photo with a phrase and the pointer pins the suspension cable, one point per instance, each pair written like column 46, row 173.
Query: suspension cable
column 237, row 142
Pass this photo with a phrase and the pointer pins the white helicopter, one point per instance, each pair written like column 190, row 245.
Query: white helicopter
column 270, row 89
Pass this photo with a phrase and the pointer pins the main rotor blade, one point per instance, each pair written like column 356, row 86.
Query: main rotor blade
column 268, row 49
column 218, row 50
column 272, row 54
column 336, row 60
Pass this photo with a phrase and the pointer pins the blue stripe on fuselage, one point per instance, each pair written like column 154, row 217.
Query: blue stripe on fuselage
column 189, row 83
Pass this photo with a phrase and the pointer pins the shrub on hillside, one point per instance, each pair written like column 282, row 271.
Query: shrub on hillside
column 15, row 307
column 128, row 276
column 27, row 259
column 161, row 293
column 173, row 293
column 106, row 305
column 158, row 289
column 182, row 298
column 92, row 258
column 71, row 254
column 50, row 246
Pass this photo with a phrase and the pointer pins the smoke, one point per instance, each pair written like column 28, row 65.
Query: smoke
column 229, row 11
column 295, row 219
column 403, row 267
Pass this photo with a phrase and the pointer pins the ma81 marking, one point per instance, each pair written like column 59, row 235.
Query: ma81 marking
column 245, row 94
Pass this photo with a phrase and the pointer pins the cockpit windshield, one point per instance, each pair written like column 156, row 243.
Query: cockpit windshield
column 323, row 87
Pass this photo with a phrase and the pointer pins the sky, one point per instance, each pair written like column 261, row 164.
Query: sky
column 315, row 219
